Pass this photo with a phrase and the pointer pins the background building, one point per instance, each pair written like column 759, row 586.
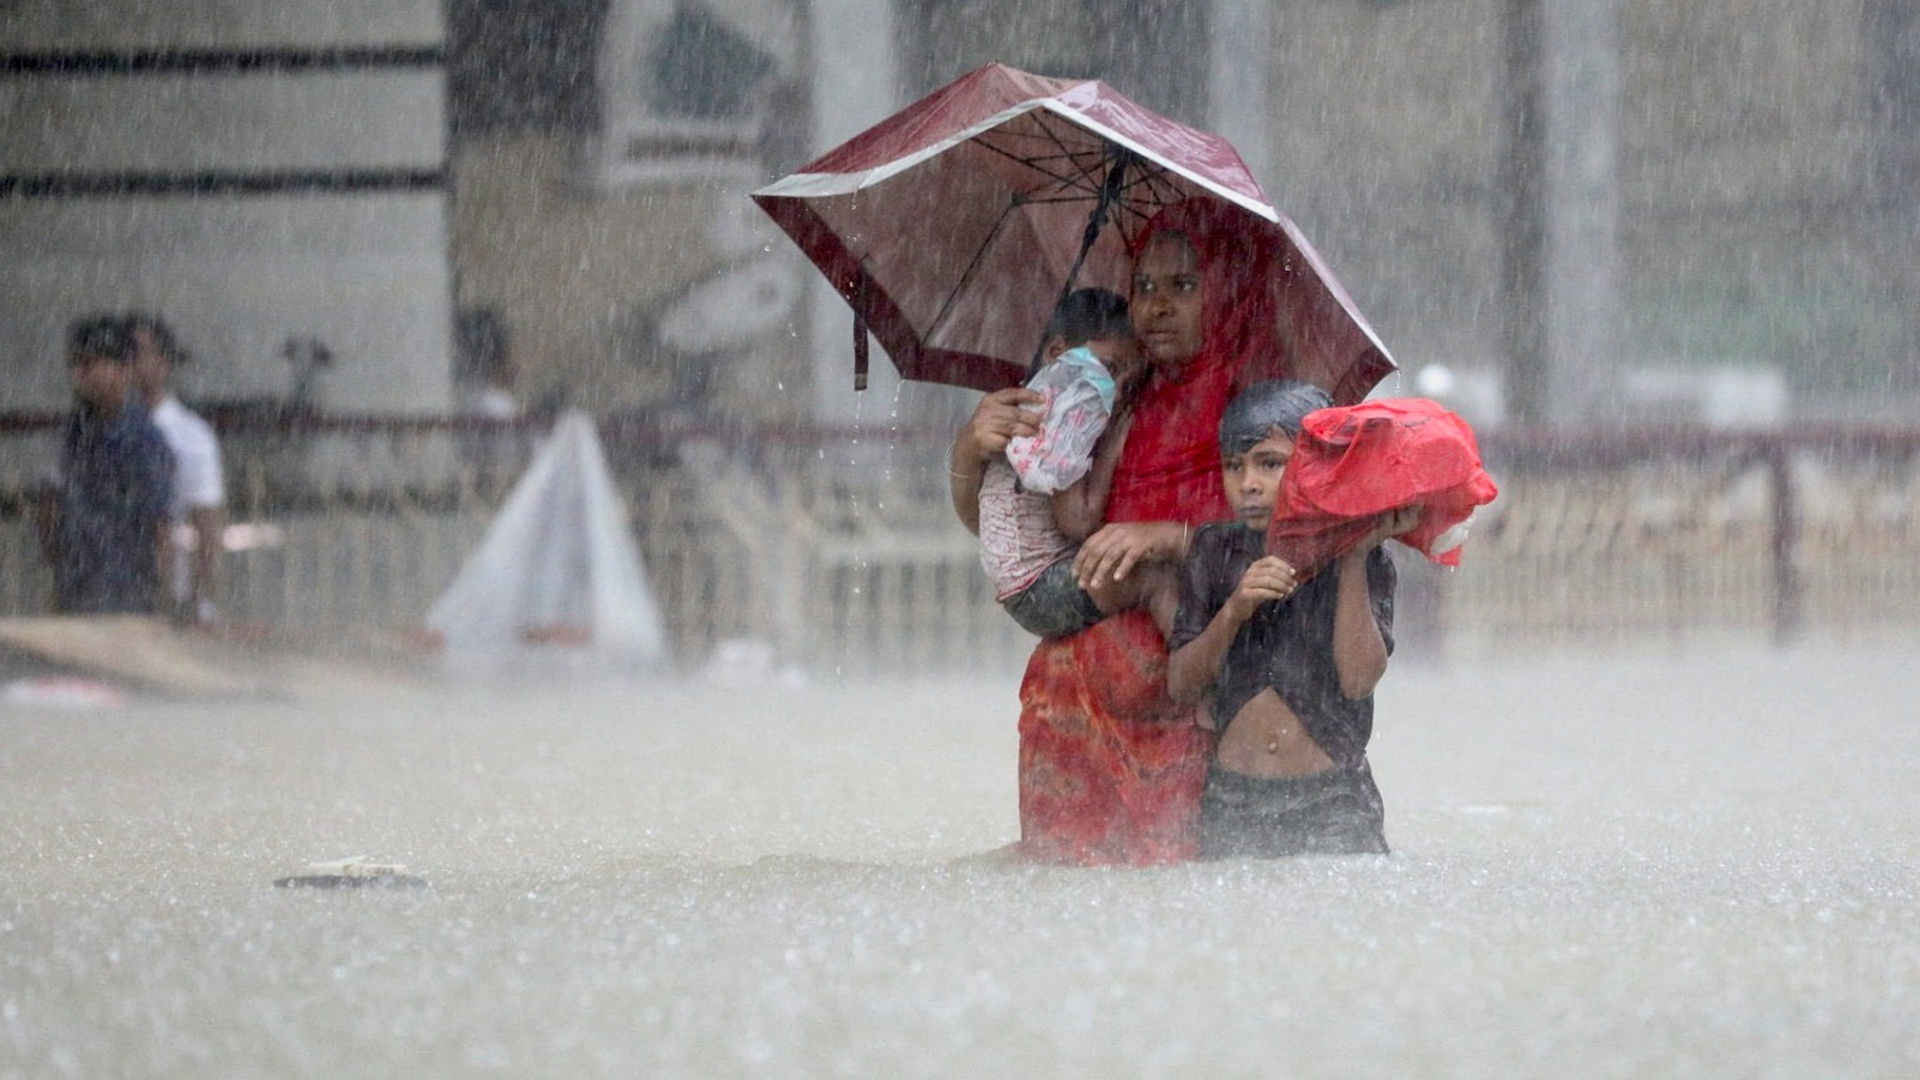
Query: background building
column 361, row 172
column 271, row 176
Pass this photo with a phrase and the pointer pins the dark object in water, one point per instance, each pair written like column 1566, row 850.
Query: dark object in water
column 353, row 873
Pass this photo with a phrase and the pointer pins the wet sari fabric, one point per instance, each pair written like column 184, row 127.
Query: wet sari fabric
column 1110, row 768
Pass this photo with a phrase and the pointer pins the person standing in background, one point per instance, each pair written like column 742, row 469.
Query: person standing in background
column 103, row 521
column 483, row 383
column 199, row 501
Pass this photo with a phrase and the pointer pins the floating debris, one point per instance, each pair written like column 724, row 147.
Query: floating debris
column 64, row 692
column 354, row 872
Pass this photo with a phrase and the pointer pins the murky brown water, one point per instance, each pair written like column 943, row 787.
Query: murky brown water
column 1696, row 865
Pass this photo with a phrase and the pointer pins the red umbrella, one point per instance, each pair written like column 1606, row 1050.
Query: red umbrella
column 955, row 225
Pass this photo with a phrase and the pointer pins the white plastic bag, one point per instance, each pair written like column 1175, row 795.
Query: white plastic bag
column 558, row 560
column 1079, row 402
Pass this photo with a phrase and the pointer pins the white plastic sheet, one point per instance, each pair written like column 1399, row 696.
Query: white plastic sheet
column 1079, row 402
column 558, row 567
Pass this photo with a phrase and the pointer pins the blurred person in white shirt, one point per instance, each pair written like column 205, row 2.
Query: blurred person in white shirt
column 483, row 378
column 199, row 487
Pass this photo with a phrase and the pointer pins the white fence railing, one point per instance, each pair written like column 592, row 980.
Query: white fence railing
column 349, row 527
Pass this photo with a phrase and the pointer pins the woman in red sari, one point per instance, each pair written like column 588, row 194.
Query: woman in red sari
column 1110, row 768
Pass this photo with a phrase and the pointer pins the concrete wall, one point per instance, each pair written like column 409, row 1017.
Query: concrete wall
column 1383, row 151
column 1750, row 232
column 1754, row 227
column 256, row 172
column 575, row 271
column 1751, row 221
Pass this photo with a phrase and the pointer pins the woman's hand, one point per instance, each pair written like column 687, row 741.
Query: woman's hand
column 1111, row 553
column 999, row 417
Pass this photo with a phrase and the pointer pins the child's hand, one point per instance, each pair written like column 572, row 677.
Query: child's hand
column 1269, row 578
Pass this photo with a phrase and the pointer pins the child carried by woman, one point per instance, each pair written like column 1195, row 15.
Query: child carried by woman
column 1049, row 490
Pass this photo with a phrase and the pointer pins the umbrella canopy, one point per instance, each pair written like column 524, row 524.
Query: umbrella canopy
column 954, row 226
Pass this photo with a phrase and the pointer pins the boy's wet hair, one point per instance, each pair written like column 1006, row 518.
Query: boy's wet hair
column 103, row 336
column 162, row 334
column 1276, row 403
column 1087, row 314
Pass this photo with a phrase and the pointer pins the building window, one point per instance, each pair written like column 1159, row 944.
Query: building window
column 701, row 68
column 689, row 88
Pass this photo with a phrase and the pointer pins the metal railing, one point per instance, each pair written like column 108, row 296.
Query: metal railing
column 838, row 548
column 1670, row 533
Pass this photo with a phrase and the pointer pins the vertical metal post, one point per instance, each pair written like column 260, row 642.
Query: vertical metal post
column 1786, row 525
column 1560, row 207
column 1522, row 209
column 854, row 67
column 1240, row 65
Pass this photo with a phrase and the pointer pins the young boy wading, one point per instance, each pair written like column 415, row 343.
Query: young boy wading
column 1291, row 664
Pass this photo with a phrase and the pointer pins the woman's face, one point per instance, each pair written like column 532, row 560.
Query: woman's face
column 1166, row 300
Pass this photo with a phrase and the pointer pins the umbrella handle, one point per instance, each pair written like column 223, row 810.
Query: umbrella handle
column 1096, row 220
column 860, row 334
column 859, row 352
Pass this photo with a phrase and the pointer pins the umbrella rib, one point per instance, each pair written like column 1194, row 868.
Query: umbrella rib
column 1085, row 175
column 966, row 276
column 1087, row 179
column 1082, row 180
column 1144, row 174
column 1057, row 200
column 1068, row 181
column 1153, row 179
column 1118, row 158
column 1139, row 195
column 1147, row 176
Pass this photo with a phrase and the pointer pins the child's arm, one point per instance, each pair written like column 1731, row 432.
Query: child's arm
column 1359, row 651
column 1192, row 668
column 1081, row 508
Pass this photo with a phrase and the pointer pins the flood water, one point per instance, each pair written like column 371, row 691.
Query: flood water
column 1704, row 862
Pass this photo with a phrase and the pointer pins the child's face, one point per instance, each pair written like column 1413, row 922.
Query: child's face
column 1120, row 354
column 1115, row 352
column 1253, row 478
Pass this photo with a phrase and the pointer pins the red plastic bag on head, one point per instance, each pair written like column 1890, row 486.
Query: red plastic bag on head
column 1353, row 463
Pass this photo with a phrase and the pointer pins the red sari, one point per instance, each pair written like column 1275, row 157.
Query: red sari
column 1110, row 768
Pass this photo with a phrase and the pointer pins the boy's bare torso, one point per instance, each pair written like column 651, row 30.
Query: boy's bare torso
column 1267, row 739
